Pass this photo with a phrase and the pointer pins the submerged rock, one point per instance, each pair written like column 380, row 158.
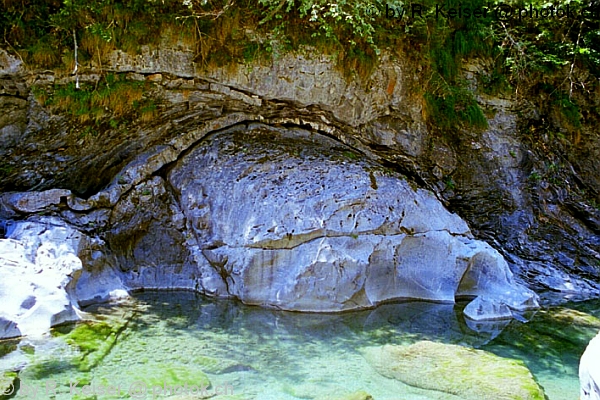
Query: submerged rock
column 589, row 371
column 467, row 373
column 360, row 395
column 294, row 220
column 483, row 309
column 94, row 341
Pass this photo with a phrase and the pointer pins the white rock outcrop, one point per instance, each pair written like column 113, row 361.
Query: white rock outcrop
column 589, row 371
column 37, row 265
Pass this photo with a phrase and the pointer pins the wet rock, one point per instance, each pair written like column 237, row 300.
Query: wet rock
column 467, row 373
column 430, row 321
column 218, row 366
column 485, row 309
column 553, row 340
column 94, row 340
column 589, row 371
column 275, row 218
column 7, row 346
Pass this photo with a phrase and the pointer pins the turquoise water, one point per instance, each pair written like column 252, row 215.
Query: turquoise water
column 164, row 339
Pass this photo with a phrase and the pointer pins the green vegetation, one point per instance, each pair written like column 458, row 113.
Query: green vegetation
column 351, row 155
column 7, row 346
column 7, row 382
column 5, row 170
column 556, row 59
column 94, row 340
column 111, row 97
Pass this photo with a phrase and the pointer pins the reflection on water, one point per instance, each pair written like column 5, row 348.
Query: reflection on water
column 182, row 338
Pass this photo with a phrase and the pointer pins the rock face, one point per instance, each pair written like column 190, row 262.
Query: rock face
column 154, row 221
column 589, row 371
column 276, row 217
column 467, row 373
column 529, row 195
column 296, row 221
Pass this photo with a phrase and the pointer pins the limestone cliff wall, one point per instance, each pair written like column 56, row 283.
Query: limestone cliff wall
column 529, row 194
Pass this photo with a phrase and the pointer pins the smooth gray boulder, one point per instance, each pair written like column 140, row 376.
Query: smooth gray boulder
column 296, row 221
column 8, row 329
column 589, row 371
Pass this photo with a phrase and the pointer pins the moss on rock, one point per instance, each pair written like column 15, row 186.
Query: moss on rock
column 7, row 384
column 169, row 377
column 94, row 340
column 8, row 346
column 468, row 373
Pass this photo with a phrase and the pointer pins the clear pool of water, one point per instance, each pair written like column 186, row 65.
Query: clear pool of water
column 166, row 339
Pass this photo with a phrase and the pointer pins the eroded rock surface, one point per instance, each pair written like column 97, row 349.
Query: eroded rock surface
column 531, row 196
column 278, row 217
column 48, row 270
column 296, row 221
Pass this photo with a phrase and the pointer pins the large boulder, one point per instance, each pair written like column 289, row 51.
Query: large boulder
column 589, row 371
column 467, row 373
column 296, row 221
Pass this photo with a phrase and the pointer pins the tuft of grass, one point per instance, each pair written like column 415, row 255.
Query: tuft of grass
column 148, row 112
column 351, row 155
column 449, row 182
column 454, row 109
column 110, row 97
column 43, row 54
column 97, row 43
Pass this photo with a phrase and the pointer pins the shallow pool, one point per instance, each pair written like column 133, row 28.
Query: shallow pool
column 180, row 345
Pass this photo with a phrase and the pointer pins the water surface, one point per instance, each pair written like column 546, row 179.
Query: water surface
column 176, row 338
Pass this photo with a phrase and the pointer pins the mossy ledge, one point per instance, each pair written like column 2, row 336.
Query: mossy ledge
column 61, row 36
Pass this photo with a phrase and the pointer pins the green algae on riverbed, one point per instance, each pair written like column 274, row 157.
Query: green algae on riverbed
column 468, row 373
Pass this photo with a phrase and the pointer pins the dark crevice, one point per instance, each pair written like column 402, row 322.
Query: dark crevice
column 164, row 171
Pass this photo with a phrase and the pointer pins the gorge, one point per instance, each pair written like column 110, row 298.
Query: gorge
column 285, row 183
